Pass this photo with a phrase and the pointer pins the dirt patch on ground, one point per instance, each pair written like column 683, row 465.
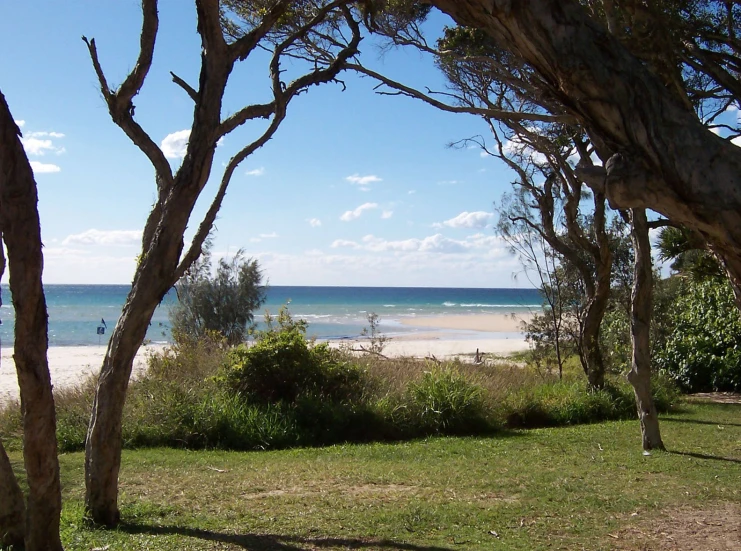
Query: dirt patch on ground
column 715, row 528
column 716, row 397
column 383, row 490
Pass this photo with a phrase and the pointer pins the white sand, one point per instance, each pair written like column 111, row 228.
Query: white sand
column 449, row 336
column 491, row 323
column 68, row 365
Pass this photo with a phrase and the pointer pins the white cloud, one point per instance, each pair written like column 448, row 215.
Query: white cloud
column 431, row 244
column 104, row 237
column 314, row 222
column 175, row 145
column 358, row 212
column 44, row 168
column 363, row 180
column 40, row 143
column 256, row 172
column 262, row 236
column 477, row 219
column 387, row 214
column 46, row 134
column 338, row 243
column 449, row 182
column 736, row 141
column 412, row 191
column 20, row 123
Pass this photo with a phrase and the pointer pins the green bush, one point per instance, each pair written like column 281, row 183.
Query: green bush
column 283, row 366
column 703, row 352
column 445, row 402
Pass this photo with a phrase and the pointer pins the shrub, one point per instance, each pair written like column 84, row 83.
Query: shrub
column 445, row 402
column 703, row 352
column 223, row 303
column 283, row 366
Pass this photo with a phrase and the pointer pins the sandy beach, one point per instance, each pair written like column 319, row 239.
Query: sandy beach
column 443, row 337
column 68, row 365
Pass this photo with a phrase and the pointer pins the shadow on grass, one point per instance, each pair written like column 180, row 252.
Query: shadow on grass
column 705, row 456
column 275, row 542
column 698, row 422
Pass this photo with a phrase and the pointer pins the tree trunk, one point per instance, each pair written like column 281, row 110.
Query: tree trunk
column 19, row 222
column 12, row 508
column 640, row 326
column 153, row 278
column 671, row 162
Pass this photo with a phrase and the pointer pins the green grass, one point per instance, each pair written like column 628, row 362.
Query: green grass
column 579, row 487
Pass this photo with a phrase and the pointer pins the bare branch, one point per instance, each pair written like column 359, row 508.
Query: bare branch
column 185, row 86
column 498, row 114
column 119, row 102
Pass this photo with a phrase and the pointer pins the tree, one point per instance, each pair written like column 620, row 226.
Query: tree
column 223, row 303
column 541, row 147
column 21, row 233
column 640, row 331
column 318, row 36
column 638, row 109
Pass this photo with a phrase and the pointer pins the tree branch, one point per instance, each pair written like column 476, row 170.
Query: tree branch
column 240, row 49
column 498, row 114
column 119, row 102
column 185, row 86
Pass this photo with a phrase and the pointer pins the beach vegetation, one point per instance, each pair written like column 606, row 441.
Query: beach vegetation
column 703, row 351
column 223, row 302
column 286, row 391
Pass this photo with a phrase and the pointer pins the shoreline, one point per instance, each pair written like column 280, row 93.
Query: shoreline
column 443, row 337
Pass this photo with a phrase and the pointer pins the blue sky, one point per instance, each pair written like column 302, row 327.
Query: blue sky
column 355, row 189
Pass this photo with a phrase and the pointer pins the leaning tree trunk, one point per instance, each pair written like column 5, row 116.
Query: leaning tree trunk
column 669, row 161
column 154, row 277
column 640, row 327
column 19, row 223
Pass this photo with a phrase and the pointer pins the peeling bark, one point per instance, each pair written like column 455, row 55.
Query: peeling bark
column 19, row 223
column 682, row 170
column 640, row 326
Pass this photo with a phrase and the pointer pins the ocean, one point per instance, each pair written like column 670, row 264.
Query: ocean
column 76, row 312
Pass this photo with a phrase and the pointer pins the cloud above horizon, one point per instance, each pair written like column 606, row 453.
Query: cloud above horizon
column 358, row 212
column 256, row 172
column 44, row 168
column 478, row 219
column 431, row 244
column 175, row 145
column 314, row 222
column 363, row 180
column 121, row 238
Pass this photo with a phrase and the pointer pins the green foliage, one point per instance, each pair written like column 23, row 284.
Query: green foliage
column 445, row 402
column 223, row 303
column 688, row 253
column 703, row 352
column 283, row 366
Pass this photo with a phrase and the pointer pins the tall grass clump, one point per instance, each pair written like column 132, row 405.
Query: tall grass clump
column 444, row 401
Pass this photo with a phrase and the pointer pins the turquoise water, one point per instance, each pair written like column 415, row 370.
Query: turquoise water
column 76, row 311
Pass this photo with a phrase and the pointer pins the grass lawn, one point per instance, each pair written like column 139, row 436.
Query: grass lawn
column 583, row 487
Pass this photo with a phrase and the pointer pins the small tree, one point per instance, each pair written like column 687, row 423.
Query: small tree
column 223, row 302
